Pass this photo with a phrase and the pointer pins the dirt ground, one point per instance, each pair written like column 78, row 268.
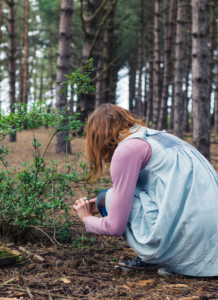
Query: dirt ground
column 85, row 269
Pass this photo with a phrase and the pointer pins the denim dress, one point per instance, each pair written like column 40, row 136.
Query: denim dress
column 174, row 217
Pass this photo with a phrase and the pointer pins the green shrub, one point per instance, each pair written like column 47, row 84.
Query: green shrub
column 36, row 195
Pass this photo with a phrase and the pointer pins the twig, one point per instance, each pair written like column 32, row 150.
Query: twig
column 49, row 143
column 37, row 257
column 106, row 68
column 29, row 293
column 96, row 12
column 100, row 28
column 43, row 232
column 202, row 297
column 81, row 17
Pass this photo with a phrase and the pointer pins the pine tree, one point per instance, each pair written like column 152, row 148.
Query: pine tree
column 149, row 115
column 201, row 114
column 63, row 63
column 156, row 66
column 179, row 69
column 26, row 54
column 11, row 58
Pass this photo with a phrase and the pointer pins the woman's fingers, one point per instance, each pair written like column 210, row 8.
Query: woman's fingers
column 92, row 200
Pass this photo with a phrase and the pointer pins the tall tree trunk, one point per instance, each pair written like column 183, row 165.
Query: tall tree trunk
column 93, row 26
column 1, row 18
column 11, row 58
column 86, row 103
column 146, row 57
column 35, row 80
column 139, row 110
column 41, row 80
column 168, row 31
column 216, row 92
column 156, row 66
column 132, row 81
column 179, row 69
column 63, row 63
column 108, row 54
column 149, row 115
column 187, row 71
column 173, row 28
column 201, row 114
column 51, row 66
column 211, row 47
column 99, row 84
column 20, row 77
column 26, row 55
column 21, row 49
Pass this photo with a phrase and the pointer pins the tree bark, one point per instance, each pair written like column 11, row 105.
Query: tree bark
column 86, row 103
column 11, row 58
column 99, row 84
column 187, row 71
column 139, row 110
column 212, row 45
column 179, row 69
column 1, row 19
column 51, row 66
column 216, row 92
column 168, row 32
column 132, row 81
column 108, row 55
column 63, row 63
column 201, row 114
column 156, row 66
column 21, row 48
column 95, row 27
column 173, row 28
column 41, row 80
column 26, row 55
column 149, row 115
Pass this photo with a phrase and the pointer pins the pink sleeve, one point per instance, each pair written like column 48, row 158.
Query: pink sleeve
column 128, row 159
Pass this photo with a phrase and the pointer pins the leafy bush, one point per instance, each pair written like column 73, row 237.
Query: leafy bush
column 36, row 195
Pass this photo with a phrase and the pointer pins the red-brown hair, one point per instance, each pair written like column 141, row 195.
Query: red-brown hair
column 103, row 130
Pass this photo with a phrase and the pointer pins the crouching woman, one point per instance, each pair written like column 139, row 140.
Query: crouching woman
column 164, row 200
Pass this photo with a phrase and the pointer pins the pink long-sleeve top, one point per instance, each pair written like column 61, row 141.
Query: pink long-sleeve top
column 127, row 161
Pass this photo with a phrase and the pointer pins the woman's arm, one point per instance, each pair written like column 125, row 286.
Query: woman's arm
column 128, row 159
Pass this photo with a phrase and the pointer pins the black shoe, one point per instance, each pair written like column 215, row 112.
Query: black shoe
column 136, row 263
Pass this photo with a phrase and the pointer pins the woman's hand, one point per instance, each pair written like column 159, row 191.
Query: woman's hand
column 84, row 208
column 93, row 206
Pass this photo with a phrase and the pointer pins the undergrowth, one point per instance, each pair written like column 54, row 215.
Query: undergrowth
column 37, row 196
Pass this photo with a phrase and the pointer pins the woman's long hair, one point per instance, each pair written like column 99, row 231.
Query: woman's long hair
column 103, row 130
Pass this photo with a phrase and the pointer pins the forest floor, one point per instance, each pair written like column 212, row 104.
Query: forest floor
column 86, row 270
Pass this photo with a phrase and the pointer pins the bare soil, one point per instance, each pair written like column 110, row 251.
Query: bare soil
column 86, row 270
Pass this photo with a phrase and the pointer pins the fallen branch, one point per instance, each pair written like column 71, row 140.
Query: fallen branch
column 37, row 257
column 202, row 297
column 29, row 294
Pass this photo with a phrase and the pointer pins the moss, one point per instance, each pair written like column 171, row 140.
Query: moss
column 5, row 254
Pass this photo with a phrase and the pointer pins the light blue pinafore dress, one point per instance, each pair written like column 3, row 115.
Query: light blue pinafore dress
column 174, row 217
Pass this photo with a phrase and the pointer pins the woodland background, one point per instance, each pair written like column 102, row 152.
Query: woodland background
column 168, row 47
